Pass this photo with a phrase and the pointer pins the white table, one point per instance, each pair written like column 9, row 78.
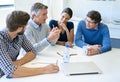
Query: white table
column 108, row 62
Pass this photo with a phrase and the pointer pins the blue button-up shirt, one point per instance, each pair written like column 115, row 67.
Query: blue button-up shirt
column 9, row 51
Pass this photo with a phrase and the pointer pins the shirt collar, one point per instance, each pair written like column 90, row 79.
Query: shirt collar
column 96, row 28
column 6, row 35
column 37, row 27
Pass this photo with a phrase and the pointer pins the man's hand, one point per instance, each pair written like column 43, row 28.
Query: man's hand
column 93, row 50
column 63, row 26
column 51, row 68
column 54, row 34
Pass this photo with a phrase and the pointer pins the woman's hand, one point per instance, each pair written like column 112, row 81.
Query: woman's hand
column 70, row 44
column 63, row 26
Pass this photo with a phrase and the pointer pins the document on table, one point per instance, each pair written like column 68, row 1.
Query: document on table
column 41, row 62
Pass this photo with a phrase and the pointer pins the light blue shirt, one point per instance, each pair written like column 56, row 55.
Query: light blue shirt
column 37, row 27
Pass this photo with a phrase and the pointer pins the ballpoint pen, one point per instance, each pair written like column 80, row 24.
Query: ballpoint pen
column 62, row 55
column 73, row 54
column 56, row 62
column 59, row 54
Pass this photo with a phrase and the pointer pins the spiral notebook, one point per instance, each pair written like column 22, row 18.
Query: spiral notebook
column 80, row 68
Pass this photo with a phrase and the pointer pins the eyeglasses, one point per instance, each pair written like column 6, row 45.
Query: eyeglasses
column 91, row 23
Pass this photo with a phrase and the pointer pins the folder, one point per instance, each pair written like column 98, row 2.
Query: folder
column 80, row 68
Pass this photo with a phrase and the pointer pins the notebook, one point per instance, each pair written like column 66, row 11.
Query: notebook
column 80, row 68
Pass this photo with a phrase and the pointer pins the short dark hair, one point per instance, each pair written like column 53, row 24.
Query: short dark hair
column 37, row 6
column 68, row 11
column 94, row 15
column 17, row 19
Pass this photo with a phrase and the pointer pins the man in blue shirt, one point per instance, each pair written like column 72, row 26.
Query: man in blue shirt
column 12, row 39
column 93, row 34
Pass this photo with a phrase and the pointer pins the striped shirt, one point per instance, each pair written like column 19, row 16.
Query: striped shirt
column 9, row 51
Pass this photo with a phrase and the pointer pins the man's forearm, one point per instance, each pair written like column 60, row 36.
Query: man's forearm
column 28, row 57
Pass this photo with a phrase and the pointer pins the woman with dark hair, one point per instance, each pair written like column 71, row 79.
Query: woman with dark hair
column 66, row 27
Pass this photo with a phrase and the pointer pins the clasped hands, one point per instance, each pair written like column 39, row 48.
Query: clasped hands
column 93, row 50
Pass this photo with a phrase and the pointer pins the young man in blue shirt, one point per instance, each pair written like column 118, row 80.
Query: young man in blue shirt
column 93, row 34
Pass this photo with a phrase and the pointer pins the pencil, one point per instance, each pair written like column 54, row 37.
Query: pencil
column 59, row 54
column 56, row 62
column 73, row 54
column 62, row 55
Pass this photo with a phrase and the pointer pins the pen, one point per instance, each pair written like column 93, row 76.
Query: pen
column 59, row 54
column 73, row 54
column 57, row 62
column 62, row 55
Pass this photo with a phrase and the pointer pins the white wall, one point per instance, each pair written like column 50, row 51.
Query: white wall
column 6, row 2
column 108, row 9
column 54, row 6
column 3, row 14
column 25, row 5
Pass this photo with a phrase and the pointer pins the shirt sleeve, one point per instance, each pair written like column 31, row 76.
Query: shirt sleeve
column 6, row 64
column 27, row 46
column 106, row 44
column 40, row 45
column 79, row 39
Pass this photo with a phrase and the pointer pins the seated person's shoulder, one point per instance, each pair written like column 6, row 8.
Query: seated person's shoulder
column 2, row 34
column 29, row 27
column 53, row 22
column 103, row 26
column 82, row 21
column 70, row 24
column 45, row 25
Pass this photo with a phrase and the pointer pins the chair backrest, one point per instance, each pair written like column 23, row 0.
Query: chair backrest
column 115, row 42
